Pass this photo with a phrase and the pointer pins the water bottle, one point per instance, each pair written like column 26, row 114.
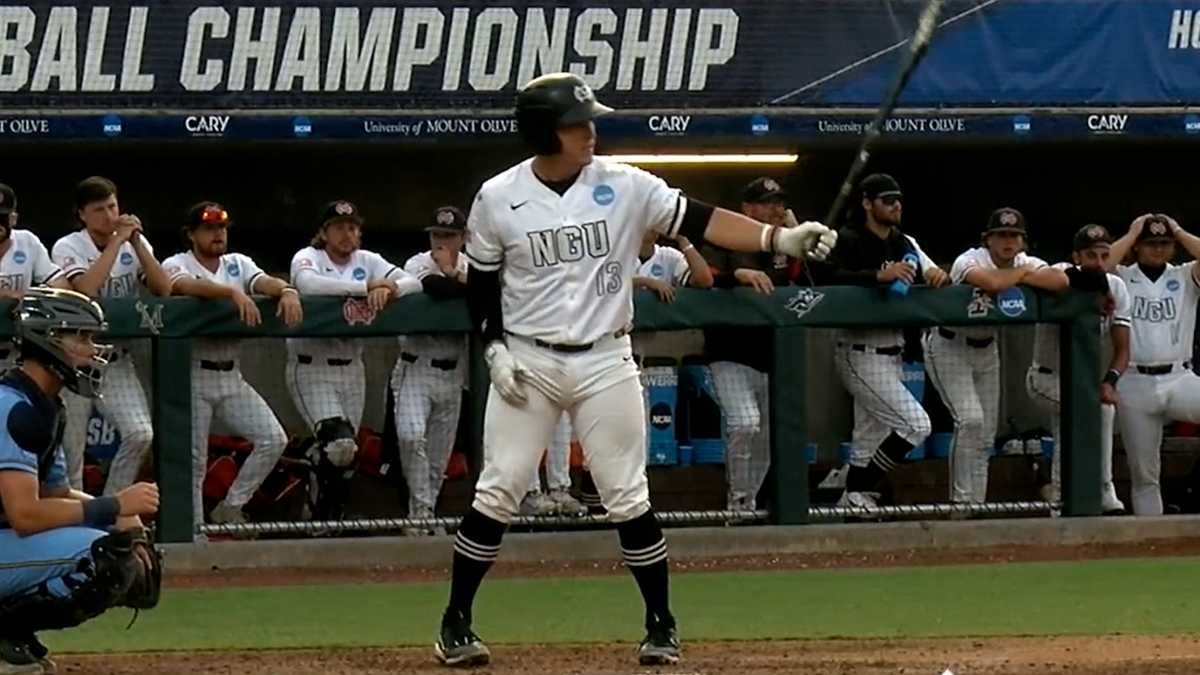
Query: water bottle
column 899, row 287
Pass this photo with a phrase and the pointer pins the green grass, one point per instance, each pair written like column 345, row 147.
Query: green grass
column 1113, row 596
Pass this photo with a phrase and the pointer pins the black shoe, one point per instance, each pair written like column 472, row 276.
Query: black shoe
column 660, row 647
column 16, row 659
column 40, row 652
column 458, row 645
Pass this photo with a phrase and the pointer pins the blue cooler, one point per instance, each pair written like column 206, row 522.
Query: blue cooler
column 913, row 377
column 660, row 377
column 698, row 396
column 939, row 445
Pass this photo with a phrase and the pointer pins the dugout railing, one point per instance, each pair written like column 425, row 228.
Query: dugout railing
column 171, row 324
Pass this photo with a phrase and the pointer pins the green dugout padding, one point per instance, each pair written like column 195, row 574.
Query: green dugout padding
column 170, row 323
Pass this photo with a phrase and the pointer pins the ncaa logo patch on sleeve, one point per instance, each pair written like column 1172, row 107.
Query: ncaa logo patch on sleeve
column 603, row 195
column 19, row 257
column 232, row 269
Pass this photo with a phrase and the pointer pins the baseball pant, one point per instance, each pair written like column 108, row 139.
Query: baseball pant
column 968, row 380
column 224, row 394
column 1147, row 403
column 427, row 402
column 882, row 404
column 50, row 557
column 323, row 391
column 1043, row 387
column 743, row 393
column 601, row 391
column 558, row 458
column 123, row 403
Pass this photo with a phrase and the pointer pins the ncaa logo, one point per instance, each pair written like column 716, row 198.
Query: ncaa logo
column 19, row 257
column 232, row 269
column 603, row 195
column 656, row 270
column 359, row 274
column 1011, row 302
column 111, row 125
column 1191, row 124
column 660, row 416
column 1172, row 285
column 126, row 258
column 759, row 125
column 1022, row 124
column 301, row 127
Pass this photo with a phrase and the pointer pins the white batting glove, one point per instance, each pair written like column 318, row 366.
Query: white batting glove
column 809, row 239
column 506, row 373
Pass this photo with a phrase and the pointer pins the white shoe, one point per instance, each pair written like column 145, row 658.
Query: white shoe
column 537, row 503
column 566, row 504
column 859, row 500
column 836, row 479
column 1110, row 505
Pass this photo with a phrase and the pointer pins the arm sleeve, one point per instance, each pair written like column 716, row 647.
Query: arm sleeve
column 483, row 302
column 72, row 262
column 1122, row 310
column 665, row 206
column 439, row 287
column 44, row 269
column 485, row 250
column 720, row 261
column 251, row 272
column 845, row 267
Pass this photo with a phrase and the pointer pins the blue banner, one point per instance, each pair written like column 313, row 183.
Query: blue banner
column 470, row 56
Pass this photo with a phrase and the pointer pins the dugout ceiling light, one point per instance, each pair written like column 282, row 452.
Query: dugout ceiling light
column 702, row 159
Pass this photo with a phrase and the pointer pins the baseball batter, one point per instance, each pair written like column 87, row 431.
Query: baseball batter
column 208, row 270
column 429, row 376
column 65, row 557
column 964, row 362
column 24, row 263
column 110, row 258
column 888, row 421
column 1090, row 246
column 553, row 251
column 1160, row 384
column 325, row 375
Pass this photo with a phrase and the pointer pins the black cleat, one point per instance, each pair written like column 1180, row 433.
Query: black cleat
column 660, row 647
column 16, row 659
column 458, row 645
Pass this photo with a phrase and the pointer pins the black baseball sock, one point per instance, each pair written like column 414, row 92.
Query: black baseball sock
column 645, row 553
column 475, row 549
column 891, row 452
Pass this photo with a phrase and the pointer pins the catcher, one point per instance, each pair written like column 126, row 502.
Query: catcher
column 65, row 557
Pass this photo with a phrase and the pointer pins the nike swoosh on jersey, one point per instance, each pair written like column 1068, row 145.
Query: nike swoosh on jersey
column 518, row 205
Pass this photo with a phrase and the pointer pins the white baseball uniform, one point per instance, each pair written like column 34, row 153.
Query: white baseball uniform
column 219, row 389
column 566, row 265
column 325, row 375
column 122, row 400
column 1159, row 385
column 25, row 264
column 964, row 365
column 1042, row 383
column 427, row 384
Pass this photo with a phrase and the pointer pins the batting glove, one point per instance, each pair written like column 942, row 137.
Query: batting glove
column 506, row 373
column 807, row 240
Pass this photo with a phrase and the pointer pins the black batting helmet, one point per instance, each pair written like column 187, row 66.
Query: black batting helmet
column 552, row 101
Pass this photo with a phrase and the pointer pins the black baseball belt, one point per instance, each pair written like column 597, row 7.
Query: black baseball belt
column 576, row 348
column 977, row 343
column 307, row 359
column 440, row 364
column 1164, row 369
column 890, row 350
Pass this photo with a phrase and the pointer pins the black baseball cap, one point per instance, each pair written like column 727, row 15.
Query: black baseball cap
column 206, row 213
column 879, row 185
column 1005, row 219
column 763, row 190
column 340, row 210
column 8, row 200
column 449, row 219
column 1155, row 227
column 1090, row 235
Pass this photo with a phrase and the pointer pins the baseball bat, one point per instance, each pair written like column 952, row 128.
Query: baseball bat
column 917, row 47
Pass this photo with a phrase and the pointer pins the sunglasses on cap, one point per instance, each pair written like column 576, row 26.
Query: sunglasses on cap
column 214, row 215
column 890, row 200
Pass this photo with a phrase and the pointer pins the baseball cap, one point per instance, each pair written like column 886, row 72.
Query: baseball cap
column 764, row 189
column 1005, row 219
column 1090, row 235
column 879, row 185
column 449, row 218
column 341, row 210
column 206, row 213
column 1155, row 227
column 8, row 200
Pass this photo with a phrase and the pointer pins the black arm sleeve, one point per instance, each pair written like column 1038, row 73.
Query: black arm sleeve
column 483, row 302
column 695, row 220
column 1087, row 280
column 443, row 288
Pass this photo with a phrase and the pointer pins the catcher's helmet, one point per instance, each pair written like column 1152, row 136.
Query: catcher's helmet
column 43, row 316
column 552, row 101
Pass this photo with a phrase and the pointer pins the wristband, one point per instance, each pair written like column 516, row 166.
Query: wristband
column 289, row 288
column 687, row 248
column 1111, row 377
column 101, row 512
column 766, row 238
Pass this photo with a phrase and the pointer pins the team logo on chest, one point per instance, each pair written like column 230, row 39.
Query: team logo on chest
column 569, row 243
